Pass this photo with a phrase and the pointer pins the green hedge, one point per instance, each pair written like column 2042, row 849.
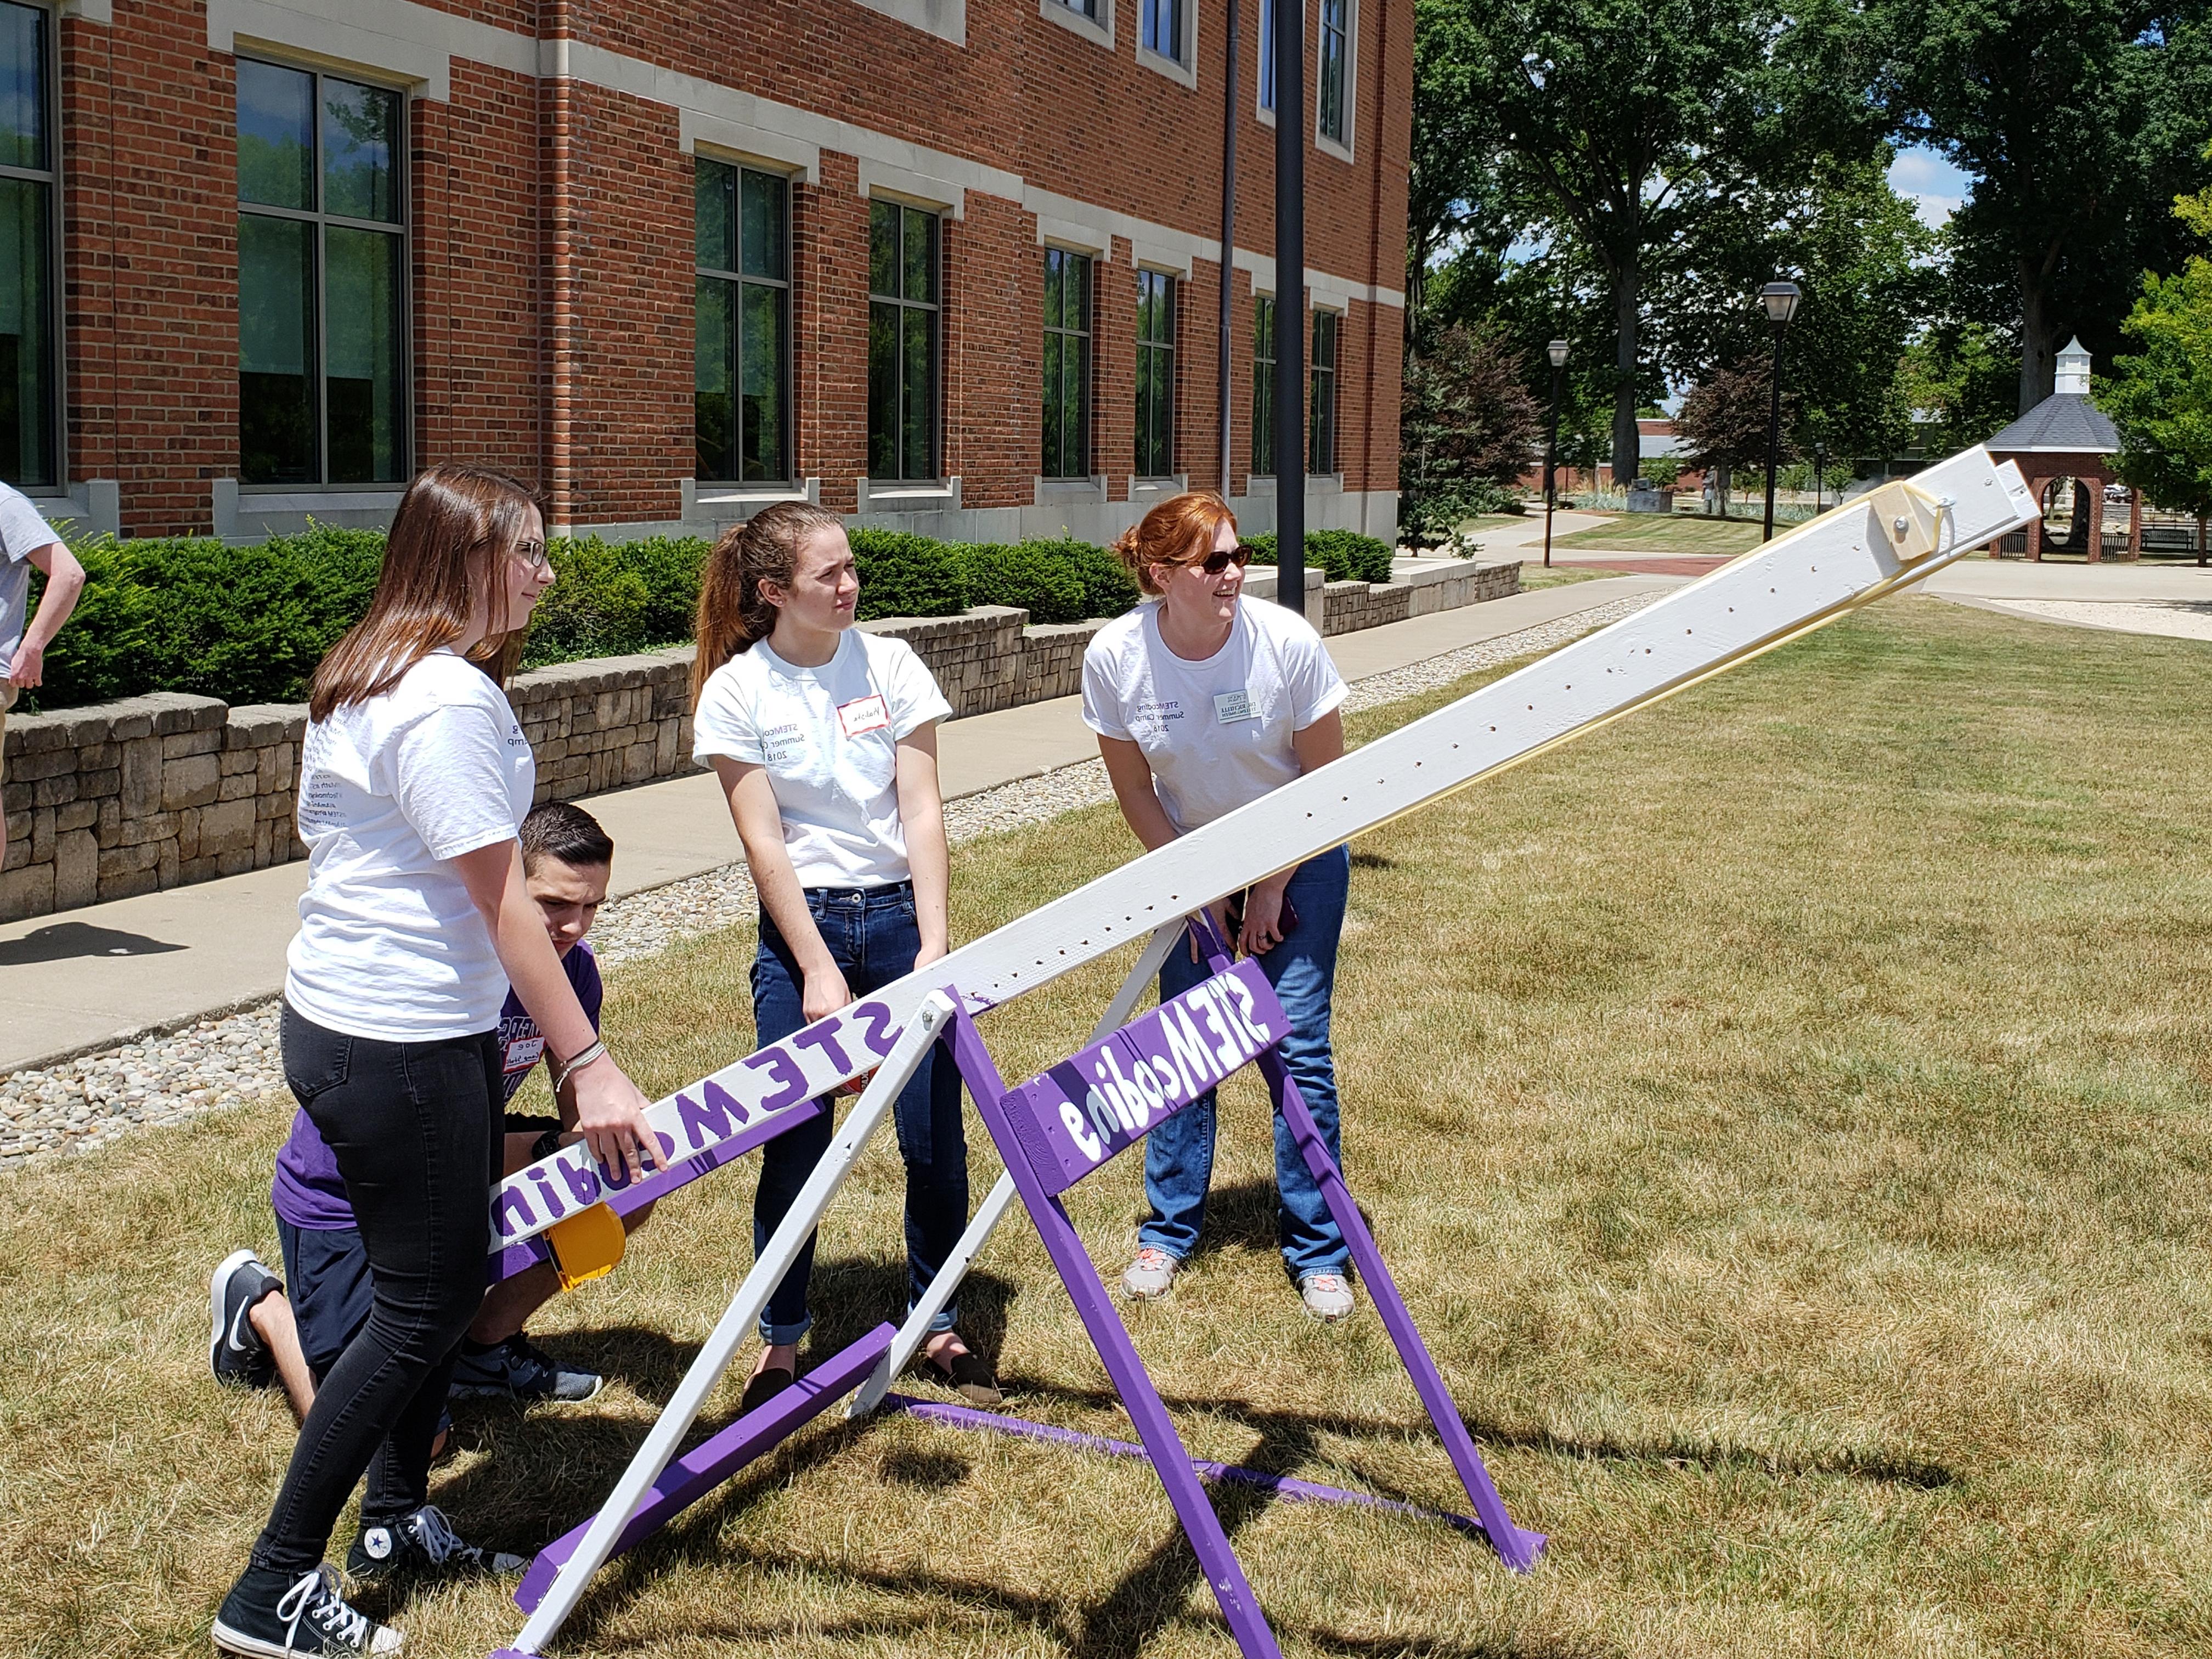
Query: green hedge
column 1344, row 555
column 192, row 614
column 248, row 625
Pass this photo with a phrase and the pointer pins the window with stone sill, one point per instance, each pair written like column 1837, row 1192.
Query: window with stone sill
column 742, row 351
column 322, row 278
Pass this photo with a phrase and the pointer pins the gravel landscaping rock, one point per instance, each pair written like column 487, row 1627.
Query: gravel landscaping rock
column 87, row 1103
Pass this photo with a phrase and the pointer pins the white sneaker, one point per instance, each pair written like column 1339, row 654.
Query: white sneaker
column 1328, row 1296
column 1150, row 1275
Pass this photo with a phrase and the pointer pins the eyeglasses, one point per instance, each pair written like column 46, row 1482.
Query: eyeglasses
column 534, row 555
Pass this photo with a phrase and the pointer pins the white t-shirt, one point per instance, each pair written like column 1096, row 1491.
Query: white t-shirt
column 23, row 531
column 828, row 737
column 1217, row 732
column 389, row 945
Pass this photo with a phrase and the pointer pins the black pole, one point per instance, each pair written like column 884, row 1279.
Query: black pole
column 1774, row 432
column 1551, row 460
column 1817, row 469
column 1290, row 118
column 1228, row 238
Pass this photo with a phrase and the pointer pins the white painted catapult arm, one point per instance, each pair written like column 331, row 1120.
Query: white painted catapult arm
column 1807, row 577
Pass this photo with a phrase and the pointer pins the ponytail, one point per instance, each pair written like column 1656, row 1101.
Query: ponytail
column 733, row 614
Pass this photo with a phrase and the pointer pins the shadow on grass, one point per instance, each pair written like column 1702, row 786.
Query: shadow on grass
column 1245, row 1212
column 1272, row 1425
column 1148, row 1600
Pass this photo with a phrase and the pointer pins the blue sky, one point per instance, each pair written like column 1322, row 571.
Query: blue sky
column 1930, row 182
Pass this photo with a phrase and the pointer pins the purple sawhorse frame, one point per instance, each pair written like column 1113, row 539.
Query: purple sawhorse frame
column 1049, row 1143
column 1058, row 1128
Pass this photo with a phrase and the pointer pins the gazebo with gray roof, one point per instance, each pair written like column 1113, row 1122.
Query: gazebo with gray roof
column 2067, row 436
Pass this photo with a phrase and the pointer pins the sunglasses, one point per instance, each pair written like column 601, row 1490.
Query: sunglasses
column 1220, row 559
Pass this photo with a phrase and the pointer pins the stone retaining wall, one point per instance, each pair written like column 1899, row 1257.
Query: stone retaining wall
column 121, row 799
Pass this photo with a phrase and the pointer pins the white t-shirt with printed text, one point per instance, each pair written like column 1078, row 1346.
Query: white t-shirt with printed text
column 828, row 737
column 1216, row 732
column 392, row 789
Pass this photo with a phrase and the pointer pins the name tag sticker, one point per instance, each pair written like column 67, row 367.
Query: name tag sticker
column 524, row 1053
column 863, row 715
column 1230, row 707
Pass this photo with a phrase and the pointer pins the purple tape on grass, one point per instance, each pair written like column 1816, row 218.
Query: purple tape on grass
column 1282, row 1486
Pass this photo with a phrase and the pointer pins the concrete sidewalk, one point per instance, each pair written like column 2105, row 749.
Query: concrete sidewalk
column 90, row 977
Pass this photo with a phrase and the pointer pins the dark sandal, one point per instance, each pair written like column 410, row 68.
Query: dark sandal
column 967, row 1377
column 765, row 1388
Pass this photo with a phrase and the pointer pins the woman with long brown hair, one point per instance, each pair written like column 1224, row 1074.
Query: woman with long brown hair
column 825, row 739
column 414, row 779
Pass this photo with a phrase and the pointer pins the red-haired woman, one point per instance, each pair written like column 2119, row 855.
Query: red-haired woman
column 1202, row 704
column 825, row 739
column 414, row 779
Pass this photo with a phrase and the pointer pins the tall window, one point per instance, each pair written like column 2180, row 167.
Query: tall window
column 1263, row 384
column 902, row 342
column 1266, row 54
column 1155, row 375
column 1160, row 28
column 28, row 414
column 1321, row 424
column 322, row 261
column 1335, row 60
column 1066, row 364
column 744, row 316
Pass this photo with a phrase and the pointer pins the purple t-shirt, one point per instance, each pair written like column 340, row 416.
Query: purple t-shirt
column 308, row 1191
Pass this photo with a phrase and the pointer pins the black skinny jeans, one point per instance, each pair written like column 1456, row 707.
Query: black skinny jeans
column 413, row 1127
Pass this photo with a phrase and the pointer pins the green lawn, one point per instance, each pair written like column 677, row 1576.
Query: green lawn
column 1788, row 1113
column 1650, row 534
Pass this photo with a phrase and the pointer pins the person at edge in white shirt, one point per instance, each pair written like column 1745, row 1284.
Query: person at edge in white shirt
column 413, row 779
column 825, row 739
column 28, row 543
column 1203, row 703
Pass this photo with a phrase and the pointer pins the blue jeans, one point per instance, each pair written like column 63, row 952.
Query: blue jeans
column 1179, row 1152
column 873, row 936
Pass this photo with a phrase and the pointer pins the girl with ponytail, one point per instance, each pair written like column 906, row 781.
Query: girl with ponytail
column 825, row 739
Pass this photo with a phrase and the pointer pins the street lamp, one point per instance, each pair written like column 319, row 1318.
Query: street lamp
column 1818, row 468
column 1556, row 351
column 1780, row 300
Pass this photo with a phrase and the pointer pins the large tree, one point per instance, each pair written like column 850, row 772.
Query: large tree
column 1864, row 261
column 2159, row 396
column 2078, row 121
column 1629, row 128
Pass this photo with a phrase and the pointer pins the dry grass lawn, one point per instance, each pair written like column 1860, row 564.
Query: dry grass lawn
column 1787, row 1113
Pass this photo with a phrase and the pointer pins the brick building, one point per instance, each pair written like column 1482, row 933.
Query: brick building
column 951, row 265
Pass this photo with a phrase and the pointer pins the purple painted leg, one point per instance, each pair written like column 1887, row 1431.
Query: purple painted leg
column 1516, row 1548
column 1170, row 1460
column 705, row 1467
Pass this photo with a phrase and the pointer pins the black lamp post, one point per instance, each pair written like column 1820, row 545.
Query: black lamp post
column 1818, row 468
column 1556, row 351
column 1780, row 300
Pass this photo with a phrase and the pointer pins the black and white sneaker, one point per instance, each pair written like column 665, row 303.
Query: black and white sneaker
column 272, row 1615
column 424, row 1544
column 236, row 1353
column 519, row 1370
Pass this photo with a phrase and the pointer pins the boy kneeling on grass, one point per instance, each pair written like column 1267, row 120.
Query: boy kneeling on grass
column 258, row 1339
